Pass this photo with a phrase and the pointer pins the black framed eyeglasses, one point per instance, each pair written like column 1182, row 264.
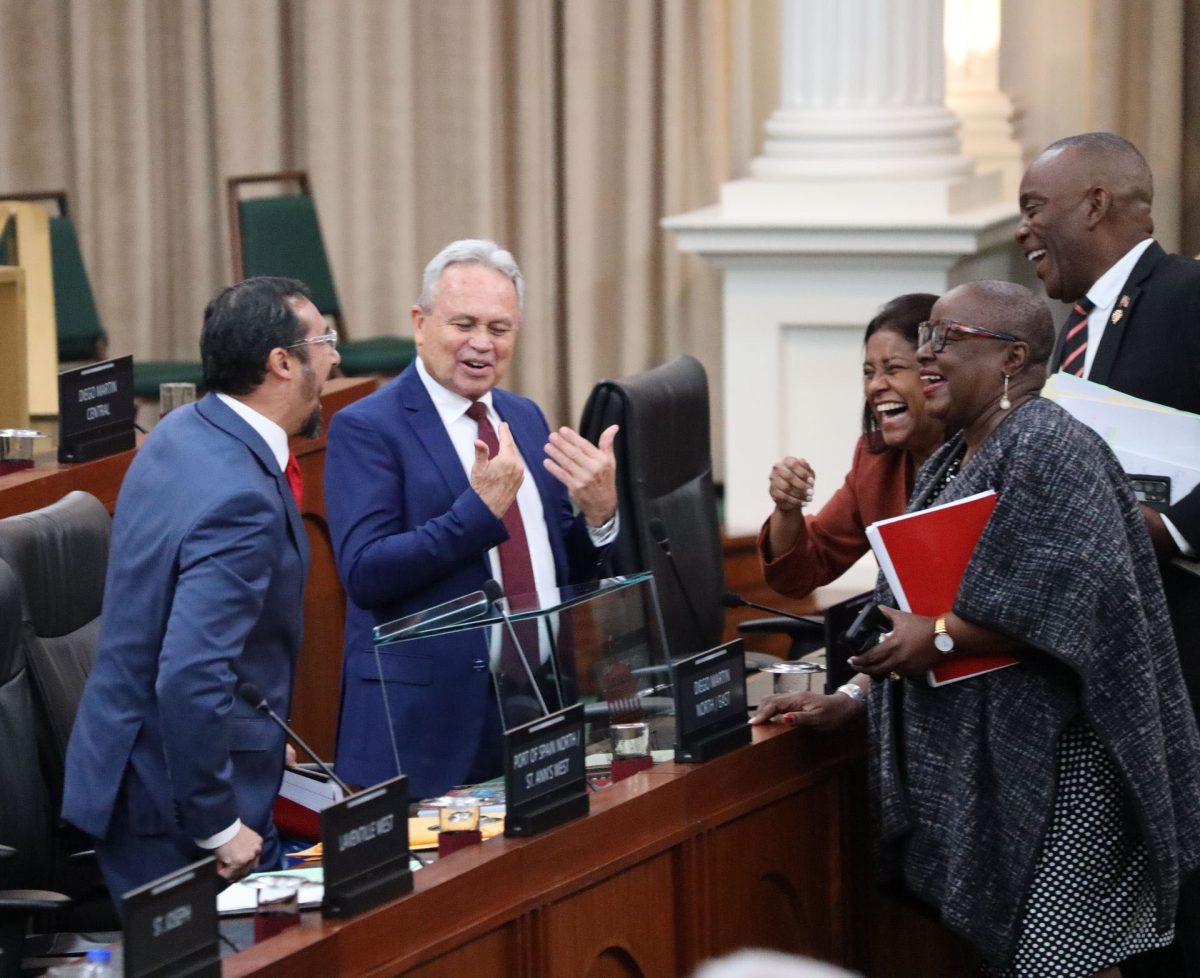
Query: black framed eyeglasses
column 934, row 334
column 331, row 338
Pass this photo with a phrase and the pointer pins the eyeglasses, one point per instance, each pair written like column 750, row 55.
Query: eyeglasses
column 331, row 338
column 935, row 334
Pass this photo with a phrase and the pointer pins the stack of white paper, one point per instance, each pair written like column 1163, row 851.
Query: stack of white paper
column 1147, row 438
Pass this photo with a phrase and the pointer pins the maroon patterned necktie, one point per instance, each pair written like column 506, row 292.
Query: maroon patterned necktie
column 1075, row 338
column 516, row 566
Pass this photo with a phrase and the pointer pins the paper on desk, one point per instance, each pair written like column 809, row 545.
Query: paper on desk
column 242, row 897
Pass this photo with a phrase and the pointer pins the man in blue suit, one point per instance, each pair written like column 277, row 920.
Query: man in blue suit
column 434, row 484
column 205, row 580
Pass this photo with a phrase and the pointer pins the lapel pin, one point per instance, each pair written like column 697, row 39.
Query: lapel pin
column 1124, row 303
column 1116, row 316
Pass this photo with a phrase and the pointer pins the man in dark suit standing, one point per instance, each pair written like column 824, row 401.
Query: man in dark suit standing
column 1135, row 327
column 434, row 484
column 204, row 591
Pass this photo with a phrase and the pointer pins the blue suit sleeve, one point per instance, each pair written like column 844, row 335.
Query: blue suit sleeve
column 225, row 566
column 383, row 548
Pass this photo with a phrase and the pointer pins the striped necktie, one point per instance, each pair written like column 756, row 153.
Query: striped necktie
column 1075, row 338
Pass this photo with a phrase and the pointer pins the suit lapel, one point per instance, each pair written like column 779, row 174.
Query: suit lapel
column 427, row 425
column 1121, row 318
column 219, row 414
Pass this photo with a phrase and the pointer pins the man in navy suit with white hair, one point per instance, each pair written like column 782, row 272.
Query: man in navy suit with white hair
column 434, row 484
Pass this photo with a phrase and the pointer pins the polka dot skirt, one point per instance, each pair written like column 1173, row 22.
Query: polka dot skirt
column 1092, row 900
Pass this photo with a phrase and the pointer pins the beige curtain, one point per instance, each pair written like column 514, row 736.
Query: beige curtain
column 563, row 129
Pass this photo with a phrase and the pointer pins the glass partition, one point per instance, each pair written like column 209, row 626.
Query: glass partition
column 600, row 644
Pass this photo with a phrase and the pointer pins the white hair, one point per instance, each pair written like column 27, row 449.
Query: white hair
column 758, row 963
column 471, row 251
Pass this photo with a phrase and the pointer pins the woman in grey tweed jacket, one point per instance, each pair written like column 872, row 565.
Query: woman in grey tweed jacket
column 1048, row 810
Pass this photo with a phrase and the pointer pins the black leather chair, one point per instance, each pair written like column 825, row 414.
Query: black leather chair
column 664, row 474
column 665, row 490
column 59, row 554
column 26, row 815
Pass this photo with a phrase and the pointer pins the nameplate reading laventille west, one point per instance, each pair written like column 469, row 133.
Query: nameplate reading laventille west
column 364, row 842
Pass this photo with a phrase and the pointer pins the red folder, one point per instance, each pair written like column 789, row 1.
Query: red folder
column 923, row 556
column 303, row 795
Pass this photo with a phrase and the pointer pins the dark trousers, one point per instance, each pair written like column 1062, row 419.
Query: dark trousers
column 1181, row 959
column 136, row 850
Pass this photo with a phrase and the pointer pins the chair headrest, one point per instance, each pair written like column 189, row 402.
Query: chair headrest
column 60, row 555
column 666, row 417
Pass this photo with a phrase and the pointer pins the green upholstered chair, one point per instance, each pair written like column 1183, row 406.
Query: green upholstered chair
column 281, row 235
column 81, row 336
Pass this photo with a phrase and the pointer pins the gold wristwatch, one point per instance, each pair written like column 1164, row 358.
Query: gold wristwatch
column 941, row 638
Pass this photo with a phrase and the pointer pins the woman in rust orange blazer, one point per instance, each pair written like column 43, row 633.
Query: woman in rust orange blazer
column 801, row 552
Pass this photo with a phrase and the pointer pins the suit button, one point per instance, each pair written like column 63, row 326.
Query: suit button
column 479, row 665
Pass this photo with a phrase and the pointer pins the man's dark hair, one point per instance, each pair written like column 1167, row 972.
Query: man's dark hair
column 1114, row 162
column 902, row 315
column 242, row 324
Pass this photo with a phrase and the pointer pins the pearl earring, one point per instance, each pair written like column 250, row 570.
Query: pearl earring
column 1005, row 403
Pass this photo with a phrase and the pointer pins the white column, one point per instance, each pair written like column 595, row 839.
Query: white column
column 863, row 94
column 972, row 44
column 861, row 193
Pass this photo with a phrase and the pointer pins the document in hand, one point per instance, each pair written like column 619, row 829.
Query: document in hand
column 1147, row 438
column 923, row 556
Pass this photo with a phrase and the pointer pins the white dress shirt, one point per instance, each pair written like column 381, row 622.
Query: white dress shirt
column 463, row 431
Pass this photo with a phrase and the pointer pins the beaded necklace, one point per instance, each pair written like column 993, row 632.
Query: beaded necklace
column 948, row 475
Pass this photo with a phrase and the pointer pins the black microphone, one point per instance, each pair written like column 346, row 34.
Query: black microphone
column 495, row 594
column 731, row 600
column 658, row 530
column 254, row 696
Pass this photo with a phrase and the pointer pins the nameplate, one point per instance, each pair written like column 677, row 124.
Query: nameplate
column 364, row 841
column 171, row 925
column 710, row 703
column 545, row 783
column 95, row 410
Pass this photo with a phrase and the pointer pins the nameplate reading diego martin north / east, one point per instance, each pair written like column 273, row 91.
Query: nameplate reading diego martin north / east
column 710, row 703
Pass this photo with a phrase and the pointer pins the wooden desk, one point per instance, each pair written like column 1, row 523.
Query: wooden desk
column 763, row 847
column 318, row 674
column 767, row 846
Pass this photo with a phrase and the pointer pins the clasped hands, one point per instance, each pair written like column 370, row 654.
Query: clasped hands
column 588, row 471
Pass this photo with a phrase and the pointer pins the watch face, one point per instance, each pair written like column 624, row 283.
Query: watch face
column 943, row 643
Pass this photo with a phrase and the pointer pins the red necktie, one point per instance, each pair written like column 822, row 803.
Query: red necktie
column 516, row 566
column 295, row 479
column 1075, row 338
